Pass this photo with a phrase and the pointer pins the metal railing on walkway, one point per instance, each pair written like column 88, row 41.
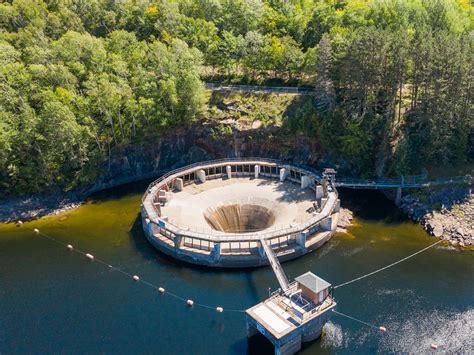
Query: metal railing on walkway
column 418, row 181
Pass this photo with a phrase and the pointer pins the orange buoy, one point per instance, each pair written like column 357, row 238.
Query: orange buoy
column 190, row 303
column 382, row 329
column 161, row 289
column 220, row 309
column 90, row 256
column 434, row 346
column 136, row 278
column 69, row 246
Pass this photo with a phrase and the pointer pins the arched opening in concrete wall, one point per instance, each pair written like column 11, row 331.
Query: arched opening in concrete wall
column 239, row 218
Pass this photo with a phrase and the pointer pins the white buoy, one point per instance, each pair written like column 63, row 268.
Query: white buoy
column 36, row 230
column 90, row 256
column 220, row 309
column 136, row 278
column 19, row 223
column 69, row 246
column 161, row 289
column 190, row 303
column 382, row 329
column 434, row 346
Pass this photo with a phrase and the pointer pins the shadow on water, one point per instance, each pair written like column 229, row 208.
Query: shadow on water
column 149, row 252
column 113, row 193
column 371, row 205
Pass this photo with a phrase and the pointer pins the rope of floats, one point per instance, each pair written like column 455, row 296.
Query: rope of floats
column 388, row 266
column 220, row 309
column 381, row 329
column 136, row 278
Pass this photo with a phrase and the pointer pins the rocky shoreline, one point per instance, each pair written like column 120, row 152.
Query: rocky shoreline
column 19, row 209
column 345, row 220
column 446, row 213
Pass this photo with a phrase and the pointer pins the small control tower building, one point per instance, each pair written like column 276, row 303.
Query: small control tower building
column 292, row 316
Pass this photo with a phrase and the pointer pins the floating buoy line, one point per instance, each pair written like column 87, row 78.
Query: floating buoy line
column 219, row 309
column 136, row 278
column 388, row 266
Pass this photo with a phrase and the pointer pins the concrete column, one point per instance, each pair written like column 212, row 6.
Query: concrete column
column 201, row 175
column 301, row 238
column 217, row 251
column 261, row 251
column 319, row 192
column 178, row 184
column 323, row 202
column 257, row 171
column 327, row 224
column 305, row 181
column 178, row 241
column 228, row 169
column 149, row 227
column 398, row 198
column 337, row 207
column 283, row 174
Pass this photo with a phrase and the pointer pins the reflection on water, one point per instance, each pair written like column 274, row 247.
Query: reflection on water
column 53, row 300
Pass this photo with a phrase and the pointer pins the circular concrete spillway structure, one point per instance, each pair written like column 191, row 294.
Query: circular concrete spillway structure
column 218, row 213
column 239, row 218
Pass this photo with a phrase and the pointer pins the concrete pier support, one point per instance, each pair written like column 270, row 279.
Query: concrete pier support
column 319, row 192
column 257, row 171
column 305, row 181
column 327, row 224
column 398, row 198
column 337, row 206
column 324, row 200
column 290, row 347
column 178, row 241
column 261, row 250
column 217, row 251
column 201, row 175
column 228, row 169
column 301, row 238
column 178, row 184
column 283, row 174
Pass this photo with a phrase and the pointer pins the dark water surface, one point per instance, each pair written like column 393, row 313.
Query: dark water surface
column 52, row 300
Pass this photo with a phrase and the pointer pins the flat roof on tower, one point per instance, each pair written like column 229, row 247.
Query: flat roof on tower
column 312, row 282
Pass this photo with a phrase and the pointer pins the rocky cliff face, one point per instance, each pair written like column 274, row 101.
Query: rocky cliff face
column 200, row 142
column 204, row 142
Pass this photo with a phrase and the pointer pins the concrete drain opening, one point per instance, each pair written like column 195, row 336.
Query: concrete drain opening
column 239, row 218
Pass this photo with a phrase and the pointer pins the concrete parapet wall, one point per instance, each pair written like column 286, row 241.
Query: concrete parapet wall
column 213, row 249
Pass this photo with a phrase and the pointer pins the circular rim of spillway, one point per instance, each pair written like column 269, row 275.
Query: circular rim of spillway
column 150, row 209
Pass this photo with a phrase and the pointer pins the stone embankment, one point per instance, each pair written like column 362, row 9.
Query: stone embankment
column 445, row 213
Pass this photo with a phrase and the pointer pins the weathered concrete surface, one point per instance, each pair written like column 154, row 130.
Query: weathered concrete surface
column 286, row 201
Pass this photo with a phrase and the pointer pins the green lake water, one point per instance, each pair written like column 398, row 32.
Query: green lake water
column 52, row 300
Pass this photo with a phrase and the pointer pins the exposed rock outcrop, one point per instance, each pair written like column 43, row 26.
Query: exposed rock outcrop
column 345, row 220
column 446, row 213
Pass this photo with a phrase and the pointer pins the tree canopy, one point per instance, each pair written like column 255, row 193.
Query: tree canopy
column 393, row 78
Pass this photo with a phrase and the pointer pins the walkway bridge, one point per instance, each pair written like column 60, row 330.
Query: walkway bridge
column 407, row 182
column 275, row 264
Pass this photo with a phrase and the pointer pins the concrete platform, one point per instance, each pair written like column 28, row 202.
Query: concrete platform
column 286, row 200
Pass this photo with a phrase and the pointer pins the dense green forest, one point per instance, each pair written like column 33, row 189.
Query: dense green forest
column 79, row 78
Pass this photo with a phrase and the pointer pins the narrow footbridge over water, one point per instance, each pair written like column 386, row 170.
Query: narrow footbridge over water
column 408, row 182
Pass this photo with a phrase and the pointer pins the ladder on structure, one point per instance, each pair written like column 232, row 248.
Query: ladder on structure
column 275, row 264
